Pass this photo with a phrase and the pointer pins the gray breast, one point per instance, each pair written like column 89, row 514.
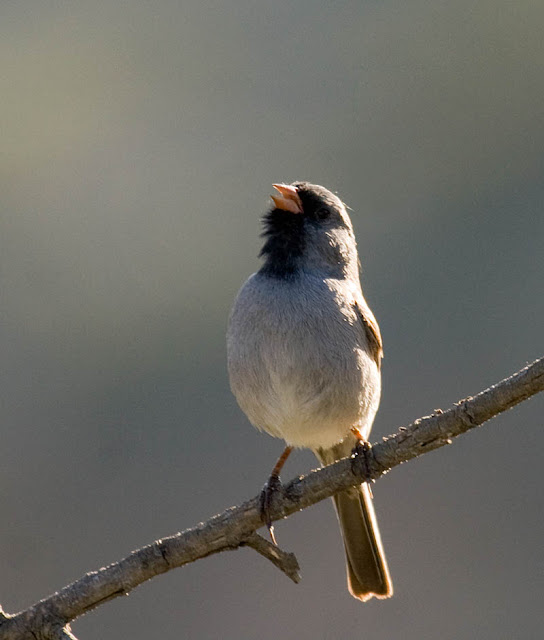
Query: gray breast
column 298, row 359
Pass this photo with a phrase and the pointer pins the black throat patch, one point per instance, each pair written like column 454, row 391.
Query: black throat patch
column 284, row 245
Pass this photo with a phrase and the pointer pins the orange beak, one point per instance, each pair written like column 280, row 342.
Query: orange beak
column 288, row 200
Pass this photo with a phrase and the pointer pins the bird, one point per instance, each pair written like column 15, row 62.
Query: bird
column 304, row 356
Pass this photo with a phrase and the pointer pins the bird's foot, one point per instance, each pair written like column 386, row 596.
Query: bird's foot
column 273, row 485
column 270, row 488
column 361, row 453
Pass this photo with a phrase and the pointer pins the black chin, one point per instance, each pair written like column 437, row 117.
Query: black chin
column 284, row 245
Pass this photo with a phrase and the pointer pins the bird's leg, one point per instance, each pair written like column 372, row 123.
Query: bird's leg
column 362, row 449
column 269, row 489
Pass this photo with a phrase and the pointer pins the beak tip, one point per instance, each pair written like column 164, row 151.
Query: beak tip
column 288, row 200
column 276, row 200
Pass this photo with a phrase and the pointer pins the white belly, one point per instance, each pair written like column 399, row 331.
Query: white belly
column 298, row 362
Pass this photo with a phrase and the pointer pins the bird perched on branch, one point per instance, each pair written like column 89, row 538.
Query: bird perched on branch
column 304, row 357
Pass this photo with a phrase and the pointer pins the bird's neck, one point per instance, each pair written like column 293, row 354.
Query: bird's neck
column 283, row 249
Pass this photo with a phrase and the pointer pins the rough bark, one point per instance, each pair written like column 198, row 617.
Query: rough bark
column 236, row 527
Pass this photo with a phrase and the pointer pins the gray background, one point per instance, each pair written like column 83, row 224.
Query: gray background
column 139, row 144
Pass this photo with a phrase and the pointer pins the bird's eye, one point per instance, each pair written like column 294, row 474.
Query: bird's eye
column 322, row 213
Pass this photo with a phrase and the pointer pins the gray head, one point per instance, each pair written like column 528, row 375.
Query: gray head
column 308, row 229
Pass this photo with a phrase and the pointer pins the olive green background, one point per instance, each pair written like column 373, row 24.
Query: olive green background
column 139, row 143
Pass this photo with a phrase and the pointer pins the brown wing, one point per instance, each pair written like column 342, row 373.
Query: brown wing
column 372, row 331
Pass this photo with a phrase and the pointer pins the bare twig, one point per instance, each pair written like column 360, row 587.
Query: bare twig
column 236, row 526
column 285, row 561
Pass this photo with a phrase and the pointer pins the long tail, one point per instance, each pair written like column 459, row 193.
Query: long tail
column 368, row 574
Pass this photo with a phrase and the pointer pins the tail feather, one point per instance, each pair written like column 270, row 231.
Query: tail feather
column 368, row 574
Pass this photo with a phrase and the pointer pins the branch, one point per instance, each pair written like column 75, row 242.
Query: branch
column 235, row 527
column 286, row 562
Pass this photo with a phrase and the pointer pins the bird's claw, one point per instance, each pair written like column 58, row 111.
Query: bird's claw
column 361, row 451
column 267, row 496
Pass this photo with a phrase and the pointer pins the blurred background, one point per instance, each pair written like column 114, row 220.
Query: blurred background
column 139, row 144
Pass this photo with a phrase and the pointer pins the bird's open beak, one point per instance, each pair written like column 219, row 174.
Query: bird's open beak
column 288, row 200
